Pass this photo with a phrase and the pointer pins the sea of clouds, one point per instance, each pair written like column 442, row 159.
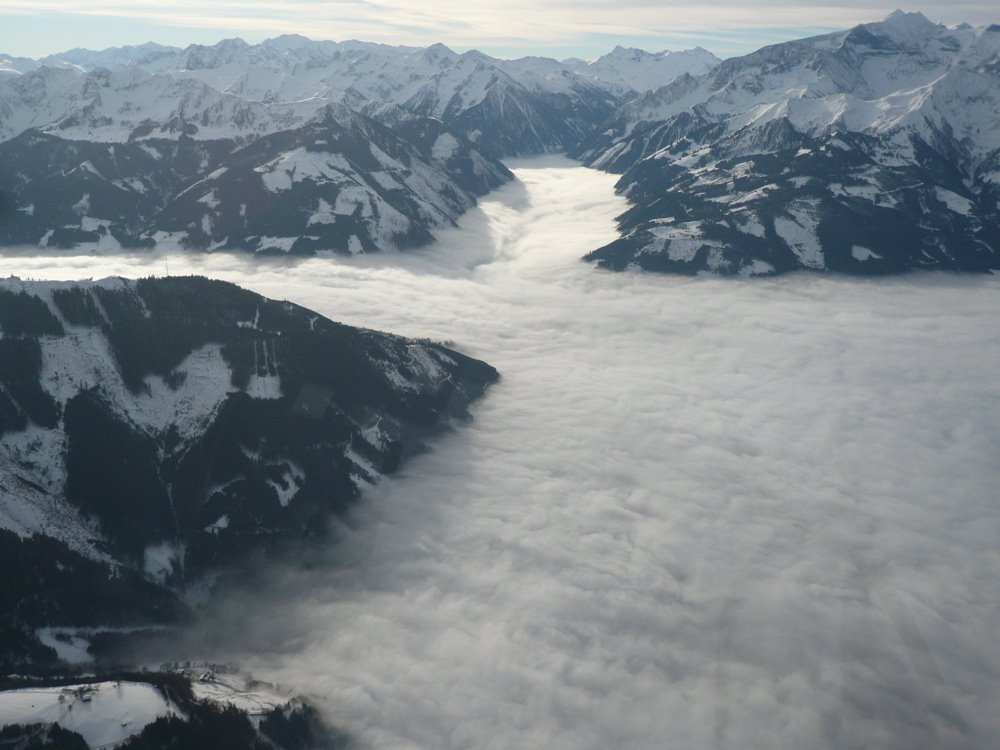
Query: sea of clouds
column 694, row 513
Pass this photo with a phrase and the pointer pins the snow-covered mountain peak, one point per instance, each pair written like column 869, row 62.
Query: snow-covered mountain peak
column 200, row 57
column 288, row 42
column 911, row 31
column 871, row 134
column 15, row 66
column 629, row 70
column 901, row 19
column 439, row 50
column 627, row 53
column 298, row 76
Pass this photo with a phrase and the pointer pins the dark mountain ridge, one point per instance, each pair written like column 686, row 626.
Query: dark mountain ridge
column 866, row 151
column 153, row 431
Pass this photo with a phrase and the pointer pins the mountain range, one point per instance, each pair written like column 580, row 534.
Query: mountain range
column 871, row 150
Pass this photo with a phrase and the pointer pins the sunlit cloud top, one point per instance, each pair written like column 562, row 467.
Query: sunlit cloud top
column 558, row 28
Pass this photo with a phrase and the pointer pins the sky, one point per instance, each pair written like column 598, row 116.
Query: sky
column 694, row 512
column 554, row 28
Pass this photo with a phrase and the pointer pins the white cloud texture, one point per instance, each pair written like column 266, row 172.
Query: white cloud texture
column 695, row 513
column 512, row 24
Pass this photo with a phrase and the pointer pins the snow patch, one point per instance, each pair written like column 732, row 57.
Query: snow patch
column 799, row 233
column 82, row 359
column 445, row 147
column 253, row 697
column 209, row 199
column 284, row 244
column 756, row 267
column 375, row 436
column 160, row 560
column 219, row 524
column 292, row 480
column 69, row 646
column 104, row 713
column 299, row 164
column 863, row 253
column 954, row 201
column 371, row 474
column 267, row 385
column 749, row 224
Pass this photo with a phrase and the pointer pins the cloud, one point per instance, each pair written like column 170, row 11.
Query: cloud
column 516, row 24
column 695, row 513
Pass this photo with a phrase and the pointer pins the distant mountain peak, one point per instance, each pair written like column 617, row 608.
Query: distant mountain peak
column 289, row 42
column 902, row 16
column 907, row 23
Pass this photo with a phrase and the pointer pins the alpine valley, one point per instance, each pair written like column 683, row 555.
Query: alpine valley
column 153, row 432
column 157, row 434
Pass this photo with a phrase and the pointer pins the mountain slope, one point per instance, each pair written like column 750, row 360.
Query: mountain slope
column 342, row 183
column 630, row 70
column 239, row 91
column 866, row 151
column 241, row 421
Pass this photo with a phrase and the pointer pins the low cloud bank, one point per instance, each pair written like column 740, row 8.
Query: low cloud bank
column 695, row 513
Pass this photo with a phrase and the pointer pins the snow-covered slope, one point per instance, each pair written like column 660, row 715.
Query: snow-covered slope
column 240, row 91
column 241, row 421
column 199, row 705
column 868, row 150
column 634, row 70
column 341, row 183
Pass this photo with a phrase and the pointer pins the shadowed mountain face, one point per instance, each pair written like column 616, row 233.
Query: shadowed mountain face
column 343, row 183
column 156, row 430
column 867, row 151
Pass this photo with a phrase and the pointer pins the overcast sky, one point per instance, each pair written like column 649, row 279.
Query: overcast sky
column 556, row 28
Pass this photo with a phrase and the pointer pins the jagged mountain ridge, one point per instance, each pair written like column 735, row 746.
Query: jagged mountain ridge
column 869, row 150
column 630, row 70
column 280, row 82
column 238, row 421
column 142, row 130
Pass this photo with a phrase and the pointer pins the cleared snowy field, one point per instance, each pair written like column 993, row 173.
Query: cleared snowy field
column 104, row 713
column 695, row 513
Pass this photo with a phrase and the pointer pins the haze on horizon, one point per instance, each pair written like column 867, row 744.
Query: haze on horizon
column 559, row 29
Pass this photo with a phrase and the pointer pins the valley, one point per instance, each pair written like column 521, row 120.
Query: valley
column 760, row 496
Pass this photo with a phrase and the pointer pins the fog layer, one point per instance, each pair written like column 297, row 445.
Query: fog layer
column 695, row 513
